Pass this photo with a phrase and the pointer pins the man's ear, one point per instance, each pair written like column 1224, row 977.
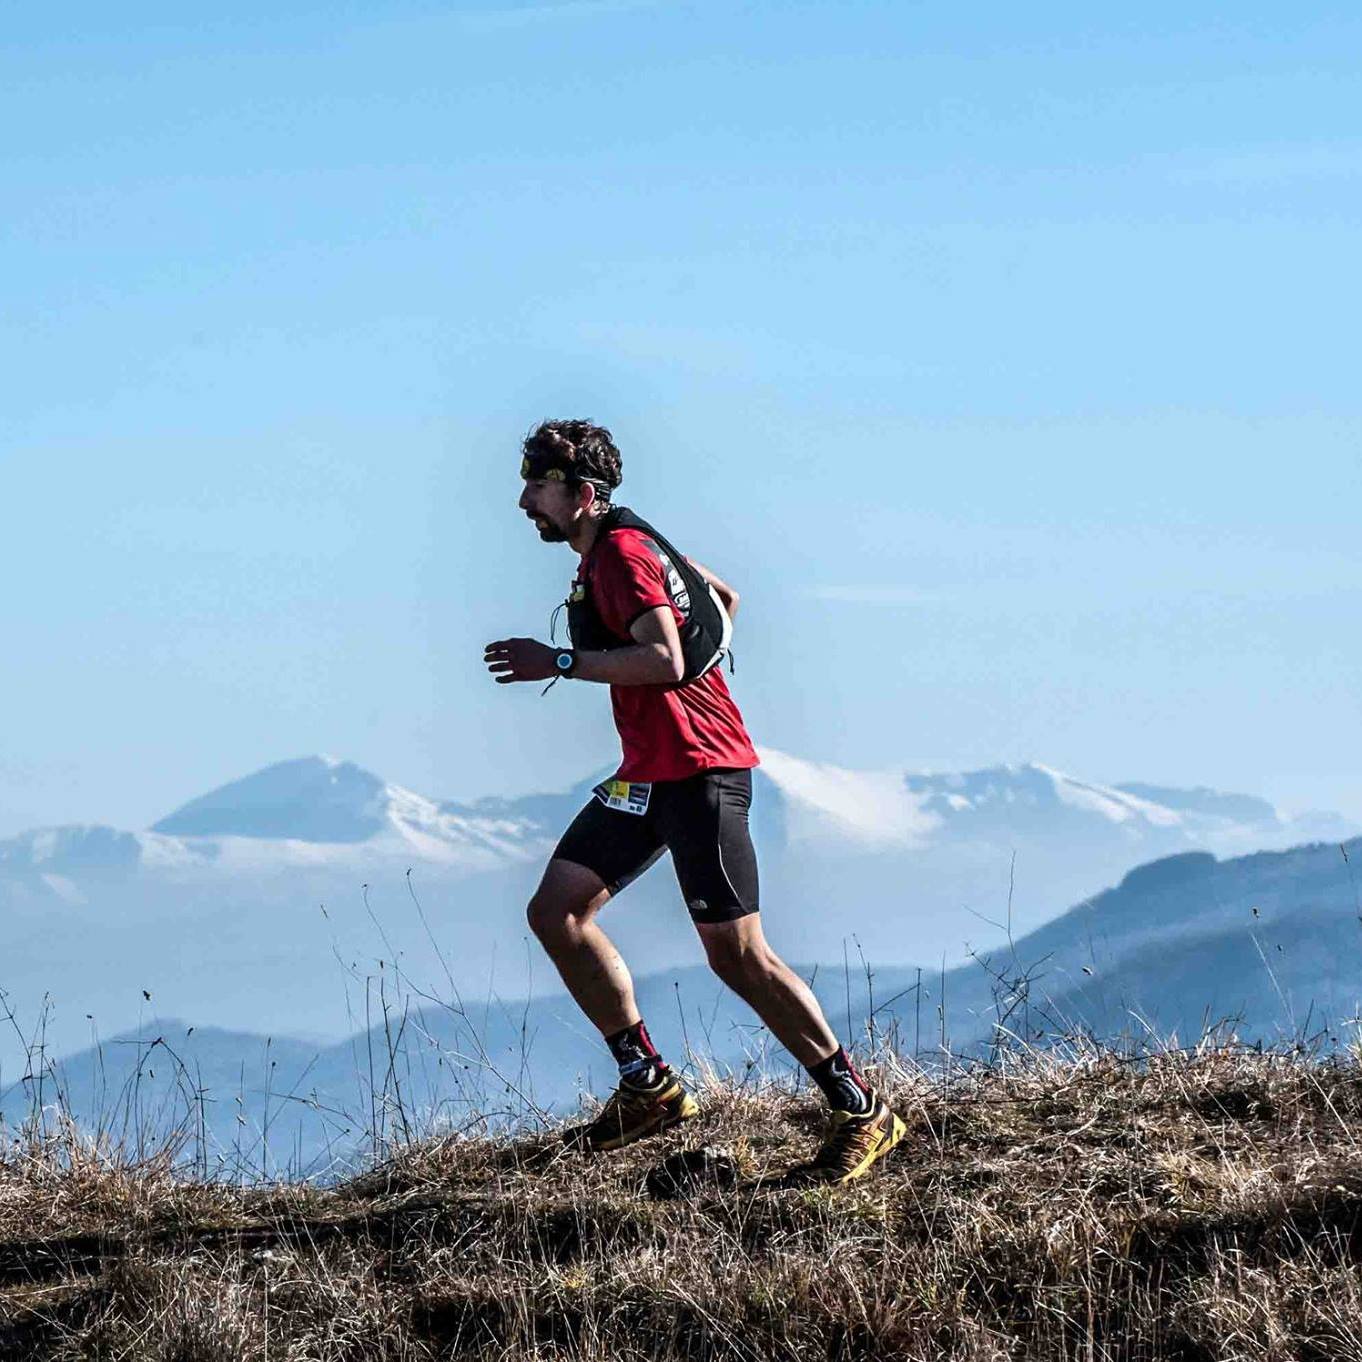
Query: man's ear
column 586, row 497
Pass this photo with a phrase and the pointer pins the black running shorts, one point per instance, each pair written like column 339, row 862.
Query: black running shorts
column 701, row 820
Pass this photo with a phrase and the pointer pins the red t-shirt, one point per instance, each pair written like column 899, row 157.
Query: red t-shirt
column 667, row 733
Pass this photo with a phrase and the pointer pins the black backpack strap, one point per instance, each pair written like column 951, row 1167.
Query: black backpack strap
column 622, row 518
column 701, row 619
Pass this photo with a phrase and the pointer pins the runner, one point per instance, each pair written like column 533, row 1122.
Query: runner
column 647, row 622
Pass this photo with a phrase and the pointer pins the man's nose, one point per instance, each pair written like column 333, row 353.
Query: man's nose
column 524, row 503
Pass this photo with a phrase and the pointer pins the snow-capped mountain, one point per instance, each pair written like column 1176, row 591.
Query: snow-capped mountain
column 319, row 811
column 1015, row 805
column 261, row 901
column 916, row 865
column 313, row 811
column 320, row 807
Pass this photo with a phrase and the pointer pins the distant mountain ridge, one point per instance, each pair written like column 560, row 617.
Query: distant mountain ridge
column 324, row 803
column 308, row 811
column 1267, row 943
column 245, row 902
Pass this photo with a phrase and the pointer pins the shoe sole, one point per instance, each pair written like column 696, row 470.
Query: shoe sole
column 689, row 1110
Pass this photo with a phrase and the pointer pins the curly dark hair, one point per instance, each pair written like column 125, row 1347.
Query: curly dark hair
column 587, row 452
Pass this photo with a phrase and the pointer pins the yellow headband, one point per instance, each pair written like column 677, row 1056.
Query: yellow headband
column 552, row 474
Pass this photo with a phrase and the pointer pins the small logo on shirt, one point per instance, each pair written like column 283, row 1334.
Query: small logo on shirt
column 676, row 587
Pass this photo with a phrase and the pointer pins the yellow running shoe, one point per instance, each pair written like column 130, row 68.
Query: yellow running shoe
column 851, row 1147
column 633, row 1113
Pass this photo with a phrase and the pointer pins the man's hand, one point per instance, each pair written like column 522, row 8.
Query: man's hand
column 520, row 659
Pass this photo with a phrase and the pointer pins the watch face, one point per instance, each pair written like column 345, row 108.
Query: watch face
column 564, row 661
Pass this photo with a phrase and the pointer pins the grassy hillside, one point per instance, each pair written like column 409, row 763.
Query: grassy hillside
column 1189, row 1205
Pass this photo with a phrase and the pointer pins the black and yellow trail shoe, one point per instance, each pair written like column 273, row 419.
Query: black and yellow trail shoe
column 852, row 1146
column 634, row 1113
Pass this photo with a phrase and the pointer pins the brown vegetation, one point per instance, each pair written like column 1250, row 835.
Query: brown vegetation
column 1186, row 1205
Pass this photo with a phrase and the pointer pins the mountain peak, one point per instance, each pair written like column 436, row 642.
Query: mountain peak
column 1022, row 794
column 310, row 799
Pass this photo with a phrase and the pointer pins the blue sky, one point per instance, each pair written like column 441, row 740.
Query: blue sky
column 1004, row 358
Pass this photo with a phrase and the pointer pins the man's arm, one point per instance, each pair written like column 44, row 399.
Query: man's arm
column 726, row 594
column 653, row 659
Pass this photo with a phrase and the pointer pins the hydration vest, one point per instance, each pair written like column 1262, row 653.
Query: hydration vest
column 705, row 628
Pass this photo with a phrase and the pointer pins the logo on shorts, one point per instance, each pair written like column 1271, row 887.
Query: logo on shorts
column 624, row 796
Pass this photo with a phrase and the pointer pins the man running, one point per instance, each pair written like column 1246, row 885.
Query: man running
column 684, row 785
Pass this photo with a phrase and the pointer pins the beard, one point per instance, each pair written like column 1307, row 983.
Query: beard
column 548, row 531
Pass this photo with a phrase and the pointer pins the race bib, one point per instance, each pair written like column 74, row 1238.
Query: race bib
column 625, row 796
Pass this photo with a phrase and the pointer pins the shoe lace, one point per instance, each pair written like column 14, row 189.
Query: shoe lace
column 843, row 1146
column 624, row 1101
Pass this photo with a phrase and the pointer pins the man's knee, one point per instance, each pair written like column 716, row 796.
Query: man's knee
column 554, row 919
column 735, row 958
column 567, row 898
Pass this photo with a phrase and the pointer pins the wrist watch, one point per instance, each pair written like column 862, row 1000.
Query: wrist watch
column 565, row 662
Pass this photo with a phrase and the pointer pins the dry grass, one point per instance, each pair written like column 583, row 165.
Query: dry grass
column 1202, row 1205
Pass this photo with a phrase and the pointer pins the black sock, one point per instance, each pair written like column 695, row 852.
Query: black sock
column 636, row 1055
column 844, row 1088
